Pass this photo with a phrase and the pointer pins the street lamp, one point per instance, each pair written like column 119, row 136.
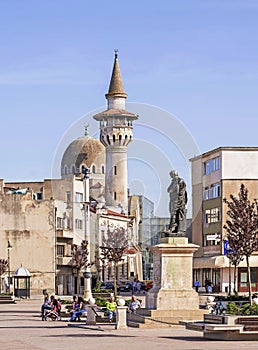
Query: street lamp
column 9, row 247
column 87, row 273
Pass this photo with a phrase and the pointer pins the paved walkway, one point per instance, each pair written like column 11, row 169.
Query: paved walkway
column 21, row 328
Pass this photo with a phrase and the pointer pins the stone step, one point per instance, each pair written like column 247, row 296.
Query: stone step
column 7, row 299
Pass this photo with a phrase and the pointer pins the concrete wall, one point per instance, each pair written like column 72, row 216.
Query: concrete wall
column 29, row 226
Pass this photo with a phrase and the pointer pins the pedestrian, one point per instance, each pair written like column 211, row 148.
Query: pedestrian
column 134, row 285
column 80, row 309
column 111, row 308
column 134, row 304
column 138, row 286
column 45, row 306
column 196, row 285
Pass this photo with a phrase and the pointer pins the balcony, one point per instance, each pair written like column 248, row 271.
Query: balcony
column 64, row 233
column 63, row 260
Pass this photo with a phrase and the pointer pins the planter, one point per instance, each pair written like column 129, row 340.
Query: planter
column 100, row 295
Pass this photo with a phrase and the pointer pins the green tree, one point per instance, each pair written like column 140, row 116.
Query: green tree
column 242, row 228
column 112, row 249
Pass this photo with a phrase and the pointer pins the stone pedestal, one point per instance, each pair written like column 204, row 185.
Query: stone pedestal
column 172, row 270
column 91, row 316
column 121, row 317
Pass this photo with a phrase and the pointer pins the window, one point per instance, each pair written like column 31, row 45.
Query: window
column 59, row 222
column 60, row 250
column 216, row 164
column 115, row 170
column 39, row 196
column 73, row 169
column 69, row 223
column 93, row 169
column 68, row 197
column 212, row 165
column 212, row 191
column 114, row 195
column 103, row 169
column 78, row 197
column 212, row 215
column 78, row 224
column 65, row 170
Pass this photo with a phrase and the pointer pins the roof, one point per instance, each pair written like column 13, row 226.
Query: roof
column 115, row 112
column 116, row 85
column 224, row 148
column 84, row 150
column 21, row 272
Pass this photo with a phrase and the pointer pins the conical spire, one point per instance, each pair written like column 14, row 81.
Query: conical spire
column 116, row 87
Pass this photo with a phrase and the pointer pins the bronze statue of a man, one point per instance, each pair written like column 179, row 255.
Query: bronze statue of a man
column 178, row 201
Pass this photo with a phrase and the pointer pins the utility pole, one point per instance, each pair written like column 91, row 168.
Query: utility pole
column 87, row 273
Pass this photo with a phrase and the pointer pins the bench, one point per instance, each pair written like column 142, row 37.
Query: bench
column 250, row 323
column 214, row 319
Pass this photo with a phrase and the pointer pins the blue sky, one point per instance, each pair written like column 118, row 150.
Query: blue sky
column 197, row 60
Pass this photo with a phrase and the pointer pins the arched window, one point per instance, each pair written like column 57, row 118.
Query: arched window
column 93, row 169
column 73, row 169
column 66, row 170
column 103, row 169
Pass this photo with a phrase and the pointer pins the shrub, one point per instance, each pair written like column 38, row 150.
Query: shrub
column 245, row 310
column 248, row 309
column 233, row 309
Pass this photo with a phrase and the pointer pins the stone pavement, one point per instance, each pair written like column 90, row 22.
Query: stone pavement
column 21, row 328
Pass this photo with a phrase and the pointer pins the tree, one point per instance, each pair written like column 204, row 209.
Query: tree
column 113, row 247
column 242, row 228
column 235, row 260
column 3, row 266
column 80, row 258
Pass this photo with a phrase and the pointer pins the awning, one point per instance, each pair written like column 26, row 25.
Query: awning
column 211, row 262
column 220, row 261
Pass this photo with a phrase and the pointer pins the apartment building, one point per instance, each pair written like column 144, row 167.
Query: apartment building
column 215, row 175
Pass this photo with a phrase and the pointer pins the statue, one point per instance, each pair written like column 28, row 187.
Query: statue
column 177, row 204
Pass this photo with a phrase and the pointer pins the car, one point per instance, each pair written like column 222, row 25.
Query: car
column 149, row 285
column 125, row 287
column 107, row 285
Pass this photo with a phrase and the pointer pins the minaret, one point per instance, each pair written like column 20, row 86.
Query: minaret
column 116, row 132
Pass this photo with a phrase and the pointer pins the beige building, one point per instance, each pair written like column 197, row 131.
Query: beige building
column 215, row 175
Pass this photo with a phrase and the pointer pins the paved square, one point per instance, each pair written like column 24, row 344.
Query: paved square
column 21, row 328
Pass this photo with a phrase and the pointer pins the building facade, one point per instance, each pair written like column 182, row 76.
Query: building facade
column 216, row 175
column 43, row 220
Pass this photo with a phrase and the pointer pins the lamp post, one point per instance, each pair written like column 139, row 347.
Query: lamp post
column 87, row 273
column 9, row 247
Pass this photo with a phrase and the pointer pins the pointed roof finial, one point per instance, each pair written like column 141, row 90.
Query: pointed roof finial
column 86, row 131
column 116, row 85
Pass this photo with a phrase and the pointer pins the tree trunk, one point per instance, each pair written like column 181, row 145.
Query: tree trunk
column 115, row 289
column 78, row 282
column 249, row 280
column 235, row 278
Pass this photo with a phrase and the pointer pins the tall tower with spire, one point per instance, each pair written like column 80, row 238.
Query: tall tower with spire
column 116, row 132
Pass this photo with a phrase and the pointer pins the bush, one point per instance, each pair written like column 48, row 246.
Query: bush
column 233, row 309
column 97, row 288
column 245, row 310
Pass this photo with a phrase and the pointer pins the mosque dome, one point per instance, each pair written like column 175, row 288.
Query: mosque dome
column 85, row 151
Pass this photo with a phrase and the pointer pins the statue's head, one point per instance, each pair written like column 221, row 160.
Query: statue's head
column 173, row 174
